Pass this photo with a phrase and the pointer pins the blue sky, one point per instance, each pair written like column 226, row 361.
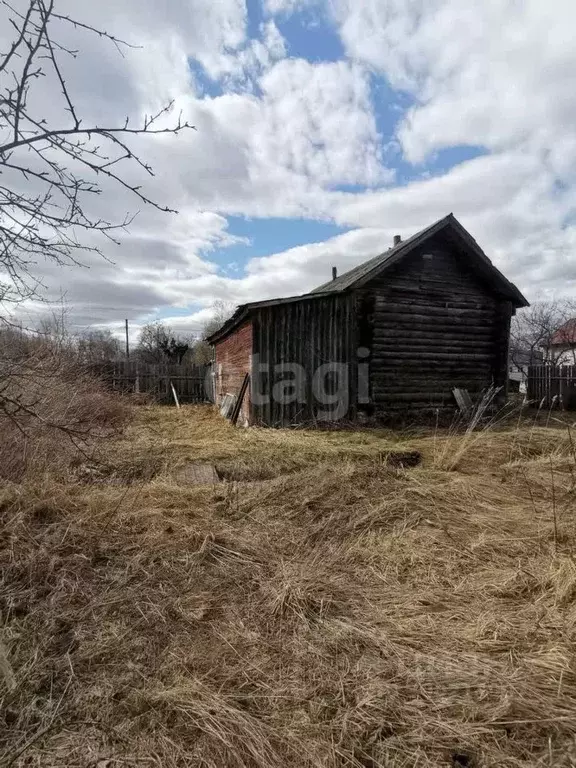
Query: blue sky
column 324, row 127
column 308, row 34
column 269, row 235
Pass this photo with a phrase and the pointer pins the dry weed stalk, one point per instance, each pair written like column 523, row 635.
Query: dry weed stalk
column 338, row 613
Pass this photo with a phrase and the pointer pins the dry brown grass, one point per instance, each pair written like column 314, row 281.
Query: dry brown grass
column 324, row 611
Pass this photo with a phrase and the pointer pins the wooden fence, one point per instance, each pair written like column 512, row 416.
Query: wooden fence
column 552, row 385
column 192, row 383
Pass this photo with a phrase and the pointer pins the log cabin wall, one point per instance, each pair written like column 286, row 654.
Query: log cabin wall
column 435, row 324
column 410, row 325
column 310, row 333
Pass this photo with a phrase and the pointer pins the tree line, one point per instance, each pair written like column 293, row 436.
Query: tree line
column 157, row 341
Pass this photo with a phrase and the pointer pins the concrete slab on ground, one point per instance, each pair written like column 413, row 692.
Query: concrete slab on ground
column 197, row 473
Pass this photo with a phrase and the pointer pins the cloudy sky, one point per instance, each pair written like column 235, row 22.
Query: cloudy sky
column 324, row 127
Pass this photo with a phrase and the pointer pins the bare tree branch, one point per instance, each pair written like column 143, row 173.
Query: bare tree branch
column 50, row 172
column 544, row 332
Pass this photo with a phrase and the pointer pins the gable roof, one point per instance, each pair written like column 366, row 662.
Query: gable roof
column 356, row 277
column 350, row 278
column 359, row 275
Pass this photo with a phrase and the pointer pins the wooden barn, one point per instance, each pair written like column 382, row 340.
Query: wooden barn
column 392, row 336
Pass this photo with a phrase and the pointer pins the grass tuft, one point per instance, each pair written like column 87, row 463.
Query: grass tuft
column 319, row 609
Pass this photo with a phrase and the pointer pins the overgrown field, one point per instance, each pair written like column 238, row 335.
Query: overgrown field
column 316, row 608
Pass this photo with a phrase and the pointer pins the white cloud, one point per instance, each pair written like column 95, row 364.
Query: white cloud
column 489, row 73
column 239, row 69
column 276, row 152
column 205, row 30
column 507, row 201
column 318, row 122
column 236, row 161
column 284, row 134
column 284, row 6
column 490, row 184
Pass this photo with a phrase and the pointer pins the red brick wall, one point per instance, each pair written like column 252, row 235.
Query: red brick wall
column 233, row 360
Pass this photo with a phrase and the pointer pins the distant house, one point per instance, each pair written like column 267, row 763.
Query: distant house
column 518, row 366
column 394, row 335
column 561, row 349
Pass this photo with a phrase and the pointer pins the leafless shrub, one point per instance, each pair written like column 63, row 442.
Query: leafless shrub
column 51, row 408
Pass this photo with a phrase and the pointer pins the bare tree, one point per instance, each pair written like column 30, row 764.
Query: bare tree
column 97, row 346
column 54, row 326
column 221, row 311
column 157, row 343
column 54, row 165
column 535, row 328
column 51, row 168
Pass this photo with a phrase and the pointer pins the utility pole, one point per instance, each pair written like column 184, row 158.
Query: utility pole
column 127, row 342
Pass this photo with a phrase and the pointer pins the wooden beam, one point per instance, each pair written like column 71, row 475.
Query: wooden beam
column 240, row 399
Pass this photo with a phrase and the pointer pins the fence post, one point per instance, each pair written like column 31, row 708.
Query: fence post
column 191, row 383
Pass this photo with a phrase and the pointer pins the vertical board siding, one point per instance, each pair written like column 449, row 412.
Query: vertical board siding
column 552, row 385
column 308, row 333
column 191, row 382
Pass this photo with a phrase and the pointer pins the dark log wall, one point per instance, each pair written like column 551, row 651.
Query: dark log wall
column 436, row 325
column 309, row 333
column 424, row 327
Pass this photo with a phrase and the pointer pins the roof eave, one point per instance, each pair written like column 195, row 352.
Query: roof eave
column 507, row 288
column 244, row 310
column 229, row 326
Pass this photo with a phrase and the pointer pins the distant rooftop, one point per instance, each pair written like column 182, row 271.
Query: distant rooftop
column 566, row 334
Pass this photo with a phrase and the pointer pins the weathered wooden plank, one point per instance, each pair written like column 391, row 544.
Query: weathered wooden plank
column 439, row 283
column 409, row 318
column 457, row 300
column 450, row 367
column 422, row 358
column 413, row 407
column 451, row 345
column 197, row 473
column 432, row 335
column 433, row 385
column 405, row 397
column 417, row 320
column 415, row 341
column 383, row 304
column 462, row 397
column 240, row 399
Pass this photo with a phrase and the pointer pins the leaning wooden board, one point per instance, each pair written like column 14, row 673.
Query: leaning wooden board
column 240, row 399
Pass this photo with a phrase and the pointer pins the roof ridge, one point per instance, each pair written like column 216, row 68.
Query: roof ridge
column 343, row 281
column 363, row 272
